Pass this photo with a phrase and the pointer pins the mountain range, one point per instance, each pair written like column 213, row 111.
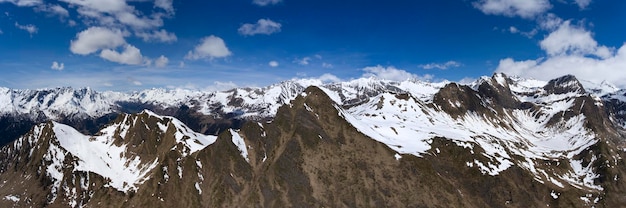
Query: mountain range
column 496, row 142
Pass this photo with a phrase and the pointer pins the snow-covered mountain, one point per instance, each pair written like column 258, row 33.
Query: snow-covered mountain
column 499, row 141
column 121, row 156
column 61, row 103
column 211, row 112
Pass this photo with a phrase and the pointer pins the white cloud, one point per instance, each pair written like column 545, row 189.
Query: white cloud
column 327, row 65
column 96, row 38
column 181, row 64
column 117, row 13
column 392, row 73
column 265, row 2
column 221, row 86
column 110, row 6
column 304, row 61
column 549, row 22
column 138, row 23
column 134, row 81
column 23, row 3
column 572, row 50
column 512, row 67
column 582, row 3
column 31, row 29
column 131, row 55
column 273, row 63
column 53, row 9
column 610, row 69
column 523, row 8
column 466, row 80
column 158, row 36
column 161, row 61
column 262, row 26
column 568, row 39
column 329, row 78
column 210, row 47
column 530, row 34
column 57, row 66
column 442, row 66
column 165, row 5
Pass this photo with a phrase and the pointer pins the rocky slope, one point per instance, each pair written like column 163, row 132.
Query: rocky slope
column 498, row 142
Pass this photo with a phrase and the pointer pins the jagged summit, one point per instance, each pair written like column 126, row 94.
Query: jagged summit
column 500, row 140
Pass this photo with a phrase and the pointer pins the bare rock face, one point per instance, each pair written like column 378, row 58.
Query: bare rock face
column 496, row 144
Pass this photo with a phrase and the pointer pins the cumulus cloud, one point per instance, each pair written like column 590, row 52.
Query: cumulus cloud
column 262, row 26
column 392, row 73
column 157, row 36
column 582, row 3
column 303, row 61
column 31, row 29
column 610, row 69
column 161, row 61
column 442, row 66
column 130, row 55
column 273, row 63
column 96, row 38
column 117, row 13
column 569, row 39
column 549, row 22
column 523, row 8
column 265, row 2
column 57, row 66
column 327, row 65
column 572, row 50
column 210, row 47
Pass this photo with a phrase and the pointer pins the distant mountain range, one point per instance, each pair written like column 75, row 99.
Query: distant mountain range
column 497, row 142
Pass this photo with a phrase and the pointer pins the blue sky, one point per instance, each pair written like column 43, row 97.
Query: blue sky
column 136, row 44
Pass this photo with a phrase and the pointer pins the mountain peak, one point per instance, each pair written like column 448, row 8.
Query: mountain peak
column 513, row 134
column 565, row 84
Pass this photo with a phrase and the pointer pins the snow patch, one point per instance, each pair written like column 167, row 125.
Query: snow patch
column 13, row 198
column 240, row 143
column 197, row 185
column 397, row 156
column 554, row 195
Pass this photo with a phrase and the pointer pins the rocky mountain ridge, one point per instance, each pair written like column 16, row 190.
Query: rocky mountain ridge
column 206, row 112
column 497, row 142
